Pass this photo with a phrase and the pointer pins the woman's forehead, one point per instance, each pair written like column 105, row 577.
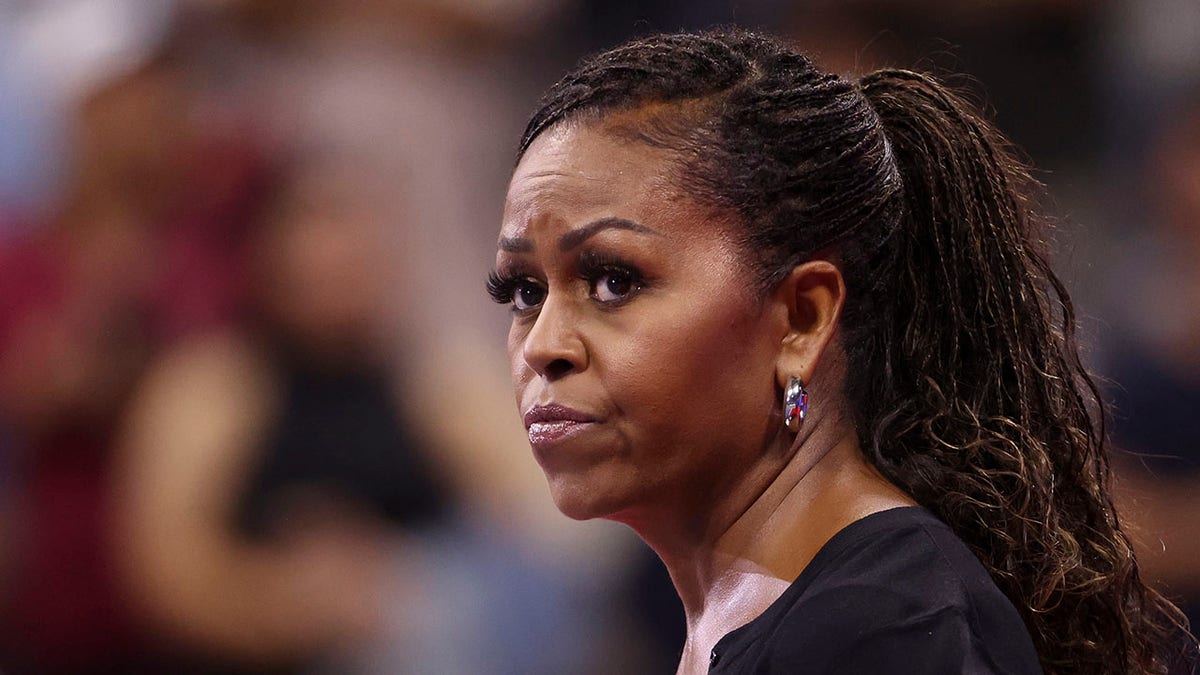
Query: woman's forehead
column 590, row 152
column 580, row 168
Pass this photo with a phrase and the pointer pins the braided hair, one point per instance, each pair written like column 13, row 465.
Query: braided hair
column 965, row 382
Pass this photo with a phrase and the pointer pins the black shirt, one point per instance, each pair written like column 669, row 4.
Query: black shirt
column 896, row 592
column 338, row 433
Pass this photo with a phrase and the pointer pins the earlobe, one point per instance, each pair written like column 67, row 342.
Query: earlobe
column 813, row 293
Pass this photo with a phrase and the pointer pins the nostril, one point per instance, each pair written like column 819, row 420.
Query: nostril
column 558, row 367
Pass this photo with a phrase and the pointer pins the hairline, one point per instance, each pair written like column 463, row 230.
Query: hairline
column 626, row 122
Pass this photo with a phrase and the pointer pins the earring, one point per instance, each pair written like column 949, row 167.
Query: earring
column 795, row 404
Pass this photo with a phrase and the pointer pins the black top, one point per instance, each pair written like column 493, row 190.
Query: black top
column 896, row 592
column 338, row 432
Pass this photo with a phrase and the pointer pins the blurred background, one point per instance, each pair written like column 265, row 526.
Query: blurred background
column 254, row 408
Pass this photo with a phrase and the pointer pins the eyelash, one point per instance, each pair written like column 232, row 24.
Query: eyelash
column 501, row 285
column 593, row 266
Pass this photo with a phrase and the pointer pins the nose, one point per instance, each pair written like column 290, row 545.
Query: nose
column 553, row 347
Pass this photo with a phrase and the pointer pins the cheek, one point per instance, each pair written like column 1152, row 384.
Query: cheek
column 518, row 369
column 701, row 375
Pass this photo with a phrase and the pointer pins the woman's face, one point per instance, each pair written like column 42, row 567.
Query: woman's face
column 643, row 359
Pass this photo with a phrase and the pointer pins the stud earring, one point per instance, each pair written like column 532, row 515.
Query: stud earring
column 795, row 404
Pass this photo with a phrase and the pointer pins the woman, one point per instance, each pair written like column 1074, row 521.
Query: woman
column 796, row 333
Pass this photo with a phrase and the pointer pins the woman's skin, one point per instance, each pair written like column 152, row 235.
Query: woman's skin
column 637, row 312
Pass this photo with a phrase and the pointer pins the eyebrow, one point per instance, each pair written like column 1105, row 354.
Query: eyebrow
column 515, row 244
column 576, row 237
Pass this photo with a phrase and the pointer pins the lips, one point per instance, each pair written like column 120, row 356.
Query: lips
column 553, row 423
column 553, row 412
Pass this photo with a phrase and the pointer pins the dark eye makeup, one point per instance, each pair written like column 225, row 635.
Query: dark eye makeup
column 611, row 281
column 515, row 287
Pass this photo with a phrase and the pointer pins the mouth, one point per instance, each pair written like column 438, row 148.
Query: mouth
column 553, row 423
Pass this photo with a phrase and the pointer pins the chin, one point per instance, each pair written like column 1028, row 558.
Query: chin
column 585, row 500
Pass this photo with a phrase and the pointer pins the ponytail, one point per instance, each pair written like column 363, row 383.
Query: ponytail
column 984, row 413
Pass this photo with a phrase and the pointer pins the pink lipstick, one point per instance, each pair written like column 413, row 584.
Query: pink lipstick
column 553, row 423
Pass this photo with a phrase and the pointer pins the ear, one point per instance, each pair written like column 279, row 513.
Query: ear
column 813, row 293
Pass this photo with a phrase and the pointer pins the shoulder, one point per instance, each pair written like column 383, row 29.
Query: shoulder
column 224, row 368
column 204, row 399
column 897, row 592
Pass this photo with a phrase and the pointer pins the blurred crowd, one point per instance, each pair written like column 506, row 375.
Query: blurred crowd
column 254, row 408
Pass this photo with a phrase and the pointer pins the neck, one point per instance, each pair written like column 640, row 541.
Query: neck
column 731, row 564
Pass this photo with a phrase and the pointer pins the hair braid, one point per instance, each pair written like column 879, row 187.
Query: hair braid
column 988, row 417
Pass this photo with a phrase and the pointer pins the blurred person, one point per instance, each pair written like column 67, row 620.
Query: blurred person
column 286, row 503
column 263, row 462
column 405, row 90
column 797, row 333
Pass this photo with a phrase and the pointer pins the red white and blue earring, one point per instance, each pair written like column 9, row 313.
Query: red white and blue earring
column 795, row 404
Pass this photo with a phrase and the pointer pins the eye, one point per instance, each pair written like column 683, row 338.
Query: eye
column 522, row 292
column 614, row 285
column 611, row 279
column 527, row 294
